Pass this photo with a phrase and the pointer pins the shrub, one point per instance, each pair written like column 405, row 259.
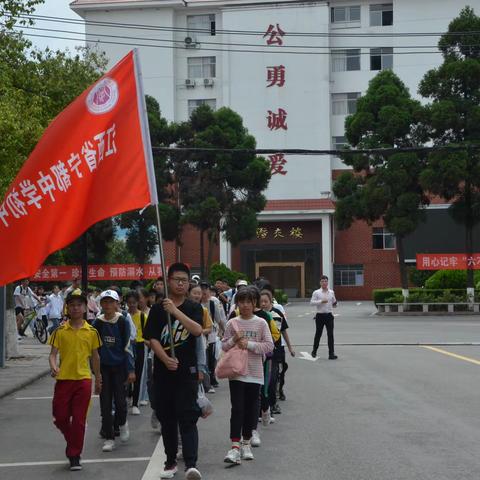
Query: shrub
column 280, row 296
column 419, row 277
column 450, row 279
column 380, row 295
column 219, row 271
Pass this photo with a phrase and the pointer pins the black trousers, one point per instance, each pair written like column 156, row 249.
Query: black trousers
column 244, row 414
column 176, row 406
column 113, row 388
column 139, row 360
column 212, row 363
column 324, row 319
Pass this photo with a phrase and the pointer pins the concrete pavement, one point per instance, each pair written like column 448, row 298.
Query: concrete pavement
column 388, row 408
column 24, row 369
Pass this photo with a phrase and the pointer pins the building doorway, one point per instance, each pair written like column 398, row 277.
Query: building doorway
column 287, row 276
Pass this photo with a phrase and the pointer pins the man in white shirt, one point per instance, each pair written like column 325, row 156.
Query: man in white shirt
column 24, row 298
column 55, row 308
column 325, row 301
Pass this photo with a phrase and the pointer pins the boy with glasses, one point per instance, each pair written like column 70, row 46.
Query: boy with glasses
column 175, row 379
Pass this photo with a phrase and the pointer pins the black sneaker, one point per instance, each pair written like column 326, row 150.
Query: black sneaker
column 276, row 410
column 117, row 431
column 314, row 353
column 332, row 357
column 101, row 433
column 282, row 397
column 75, row 464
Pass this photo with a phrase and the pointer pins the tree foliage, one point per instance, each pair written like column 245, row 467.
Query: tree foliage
column 383, row 187
column 453, row 118
column 219, row 192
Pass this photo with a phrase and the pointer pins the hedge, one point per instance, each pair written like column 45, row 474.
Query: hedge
column 422, row 295
column 450, row 279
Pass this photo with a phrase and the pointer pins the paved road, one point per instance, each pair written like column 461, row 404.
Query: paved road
column 388, row 408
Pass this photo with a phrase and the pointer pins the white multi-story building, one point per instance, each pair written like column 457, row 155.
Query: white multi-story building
column 293, row 70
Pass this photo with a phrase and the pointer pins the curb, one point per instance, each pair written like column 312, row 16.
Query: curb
column 25, row 383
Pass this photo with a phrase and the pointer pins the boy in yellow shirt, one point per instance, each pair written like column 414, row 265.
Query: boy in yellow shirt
column 76, row 341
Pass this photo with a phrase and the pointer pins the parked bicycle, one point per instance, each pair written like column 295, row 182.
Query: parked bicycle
column 39, row 328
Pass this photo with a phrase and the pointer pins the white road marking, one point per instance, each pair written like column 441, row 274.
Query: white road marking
column 307, row 356
column 156, row 463
column 359, row 303
column 64, row 462
column 42, row 398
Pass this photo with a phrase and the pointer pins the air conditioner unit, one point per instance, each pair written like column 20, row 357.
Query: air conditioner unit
column 190, row 42
column 208, row 82
column 189, row 83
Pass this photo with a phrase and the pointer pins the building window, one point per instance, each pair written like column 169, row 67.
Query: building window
column 382, row 239
column 381, row 58
column 200, row 25
column 193, row 104
column 345, row 60
column 345, row 14
column 344, row 103
column 381, row 15
column 348, row 275
column 201, row 67
column 339, row 143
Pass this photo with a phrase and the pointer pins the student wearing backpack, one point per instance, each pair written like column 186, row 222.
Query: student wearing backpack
column 117, row 367
column 139, row 319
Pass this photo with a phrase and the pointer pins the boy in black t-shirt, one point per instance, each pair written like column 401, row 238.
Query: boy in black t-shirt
column 175, row 380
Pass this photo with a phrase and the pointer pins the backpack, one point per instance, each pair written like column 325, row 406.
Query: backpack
column 122, row 326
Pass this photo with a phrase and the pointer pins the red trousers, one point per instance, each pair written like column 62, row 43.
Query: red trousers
column 71, row 400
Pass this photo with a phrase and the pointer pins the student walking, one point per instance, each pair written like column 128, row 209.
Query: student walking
column 324, row 300
column 117, row 367
column 76, row 342
column 175, row 379
column 247, row 331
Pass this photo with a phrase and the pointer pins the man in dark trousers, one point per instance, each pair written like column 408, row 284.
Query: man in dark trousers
column 175, row 379
column 324, row 300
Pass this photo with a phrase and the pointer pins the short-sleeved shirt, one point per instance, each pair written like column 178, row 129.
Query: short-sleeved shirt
column 23, row 296
column 282, row 325
column 207, row 319
column 184, row 341
column 137, row 321
column 75, row 346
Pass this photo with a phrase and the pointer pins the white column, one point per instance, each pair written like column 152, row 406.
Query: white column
column 225, row 251
column 327, row 265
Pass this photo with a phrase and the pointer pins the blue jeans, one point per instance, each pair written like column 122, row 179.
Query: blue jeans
column 55, row 324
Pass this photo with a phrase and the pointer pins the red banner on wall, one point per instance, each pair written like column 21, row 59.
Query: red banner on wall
column 62, row 273
column 447, row 261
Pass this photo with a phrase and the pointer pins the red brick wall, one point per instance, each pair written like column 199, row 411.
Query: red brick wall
column 354, row 246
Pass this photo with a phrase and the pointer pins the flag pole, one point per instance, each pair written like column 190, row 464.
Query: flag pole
column 142, row 108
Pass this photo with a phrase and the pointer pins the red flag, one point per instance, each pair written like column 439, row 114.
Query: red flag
column 93, row 162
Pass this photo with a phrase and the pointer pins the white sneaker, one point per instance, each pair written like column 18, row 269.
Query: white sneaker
column 124, row 432
column 255, row 440
column 246, row 452
column 233, row 456
column 143, row 403
column 135, row 411
column 266, row 418
column 192, row 474
column 169, row 472
column 211, row 390
column 108, row 446
column 272, row 419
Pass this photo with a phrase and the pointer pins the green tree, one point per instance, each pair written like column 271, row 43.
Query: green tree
column 454, row 120
column 384, row 186
column 219, row 192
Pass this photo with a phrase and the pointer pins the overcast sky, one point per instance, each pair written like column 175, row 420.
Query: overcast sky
column 57, row 9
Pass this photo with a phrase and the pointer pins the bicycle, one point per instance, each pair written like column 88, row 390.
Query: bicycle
column 39, row 328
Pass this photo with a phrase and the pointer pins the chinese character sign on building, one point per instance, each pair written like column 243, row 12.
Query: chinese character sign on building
column 277, row 232
column 447, row 261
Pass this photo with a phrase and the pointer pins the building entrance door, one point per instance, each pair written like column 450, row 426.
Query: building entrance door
column 288, row 276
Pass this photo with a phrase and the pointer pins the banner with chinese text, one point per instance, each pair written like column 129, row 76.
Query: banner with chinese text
column 447, row 261
column 93, row 162
column 63, row 273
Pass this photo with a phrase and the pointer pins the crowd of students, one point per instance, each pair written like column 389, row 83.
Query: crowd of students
column 129, row 341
